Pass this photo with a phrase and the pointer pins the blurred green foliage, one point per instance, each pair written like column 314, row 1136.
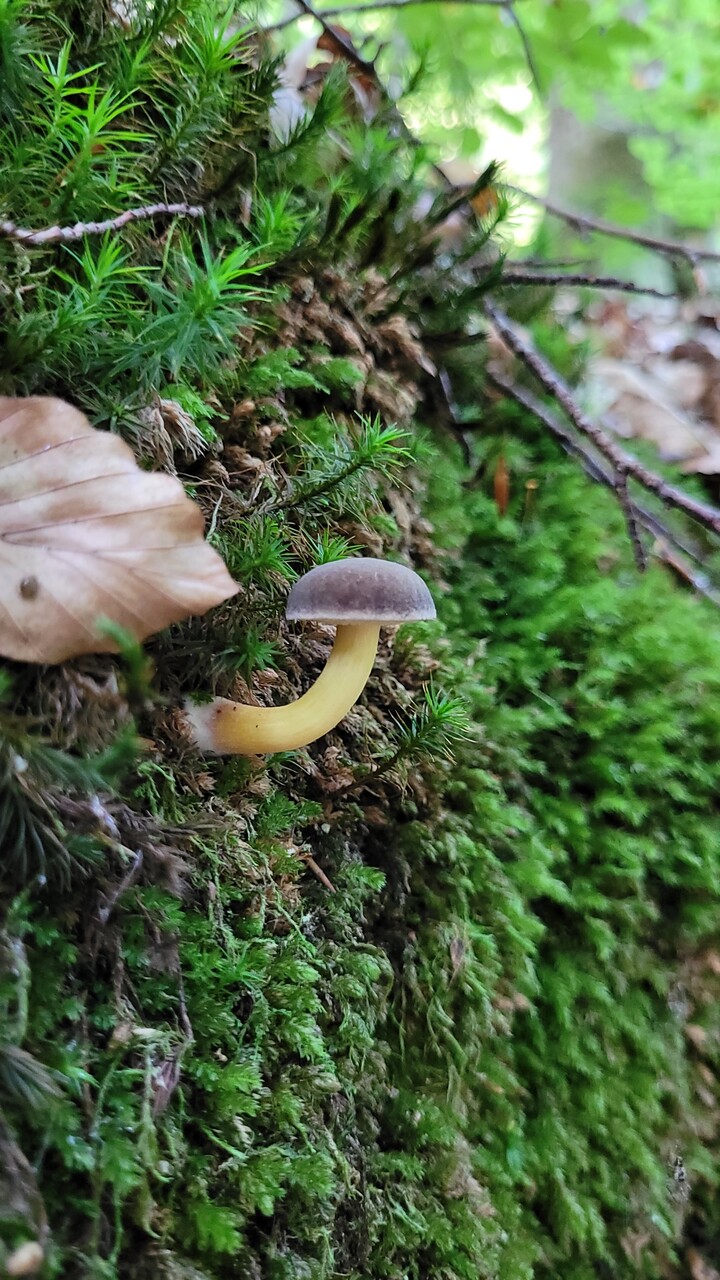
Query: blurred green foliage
column 647, row 69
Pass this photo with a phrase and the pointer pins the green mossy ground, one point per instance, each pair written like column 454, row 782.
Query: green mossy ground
column 437, row 998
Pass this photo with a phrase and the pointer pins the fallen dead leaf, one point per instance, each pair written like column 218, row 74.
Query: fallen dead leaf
column 85, row 535
column 641, row 406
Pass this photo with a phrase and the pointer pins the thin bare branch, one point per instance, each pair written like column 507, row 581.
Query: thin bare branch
column 318, row 872
column 66, row 235
column 572, row 446
column 545, row 264
column 699, row 581
column 591, row 465
column 663, row 533
column 455, row 424
column 348, row 49
column 340, row 11
column 631, row 519
column 668, row 546
column 527, row 50
column 553, row 383
column 522, row 275
column 581, row 222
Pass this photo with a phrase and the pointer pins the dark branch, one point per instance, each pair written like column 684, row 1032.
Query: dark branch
column 699, row 581
column 572, row 446
column 620, row 461
column 348, row 49
column 455, row 423
column 527, row 50
column 631, row 519
column 581, row 222
column 368, row 69
column 668, row 545
column 66, row 235
column 521, row 275
column 341, row 11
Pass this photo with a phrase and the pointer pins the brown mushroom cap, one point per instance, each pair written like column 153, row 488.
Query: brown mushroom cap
column 354, row 591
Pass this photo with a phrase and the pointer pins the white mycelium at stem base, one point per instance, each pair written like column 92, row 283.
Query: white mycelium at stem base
column 234, row 728
column 358, row 597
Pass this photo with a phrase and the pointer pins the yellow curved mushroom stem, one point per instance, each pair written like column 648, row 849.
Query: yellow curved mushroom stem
column 235, row 728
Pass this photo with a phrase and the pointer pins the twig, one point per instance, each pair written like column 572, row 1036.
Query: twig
column 66, row 235
column 575, row 449
column 543, row 264
column 527, row 49
column 455, row 423
column 551, row 380
column 698, row 581
column 668, row 546
column 336, row 35
column 581, row 222
column 628, row 510
column 521, row 275
column 318, row 872
column 664, row 533
column 569, row 442
column 340, row 11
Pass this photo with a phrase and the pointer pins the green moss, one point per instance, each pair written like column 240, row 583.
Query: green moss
column 575, row 872
column 429, row 999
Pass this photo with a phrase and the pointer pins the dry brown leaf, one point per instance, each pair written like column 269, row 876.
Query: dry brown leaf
column 642, row 407
column 85, row 535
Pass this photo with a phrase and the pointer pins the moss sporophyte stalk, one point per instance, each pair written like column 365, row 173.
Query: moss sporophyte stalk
column 356, row 596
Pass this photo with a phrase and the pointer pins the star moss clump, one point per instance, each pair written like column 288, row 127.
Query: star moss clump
column 438, row 996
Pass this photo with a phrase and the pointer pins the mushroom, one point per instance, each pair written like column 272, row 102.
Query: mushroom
column 356, row 596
